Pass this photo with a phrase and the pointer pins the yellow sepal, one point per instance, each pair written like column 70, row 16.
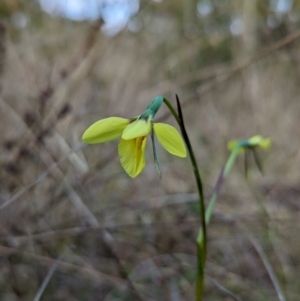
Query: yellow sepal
column 170, row 139
column 105, row 130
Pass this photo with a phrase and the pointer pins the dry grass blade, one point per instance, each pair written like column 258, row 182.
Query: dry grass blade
column 268, row 267
column 47, row 279
column 223, row 289
column 64, row 266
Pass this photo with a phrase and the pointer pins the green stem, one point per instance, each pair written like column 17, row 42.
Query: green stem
column 173, row 111
column 201, row 245
column 223, row 174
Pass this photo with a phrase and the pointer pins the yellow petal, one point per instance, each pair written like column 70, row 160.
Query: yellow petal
column 131, row 154
column 255, row 140
column 258, row 140
column 105, row 130
column 137, row 128
column 170, row 139
column 266, row 143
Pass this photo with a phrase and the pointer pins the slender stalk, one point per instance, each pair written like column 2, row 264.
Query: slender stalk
column 173, row 111
column 201, row 244
column 224, row 172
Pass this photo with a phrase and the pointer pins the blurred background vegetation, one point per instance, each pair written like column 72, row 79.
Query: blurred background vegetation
column 73, row 225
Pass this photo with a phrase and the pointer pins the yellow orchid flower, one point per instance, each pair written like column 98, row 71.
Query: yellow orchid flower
column 240, row 146
column 133, row 133
column 255, row 141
